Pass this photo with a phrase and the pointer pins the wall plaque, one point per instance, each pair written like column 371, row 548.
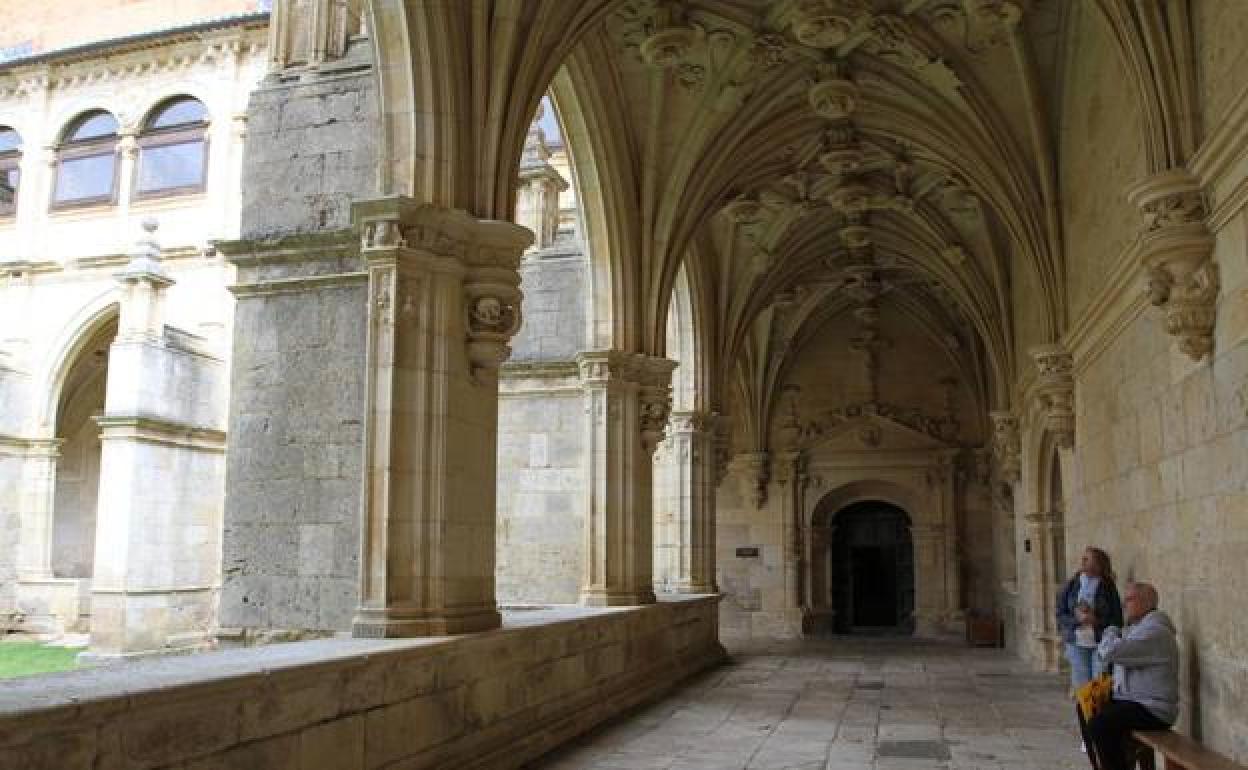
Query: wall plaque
column 750, row 552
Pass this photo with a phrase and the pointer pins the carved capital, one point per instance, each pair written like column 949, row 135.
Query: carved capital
column 789, row 466
column 486, row 253
column 1006, row 445
column 651, row 376
column 1055, row 392
column 1176, row 250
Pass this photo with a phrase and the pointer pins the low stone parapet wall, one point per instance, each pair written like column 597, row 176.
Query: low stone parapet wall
column 489, row 700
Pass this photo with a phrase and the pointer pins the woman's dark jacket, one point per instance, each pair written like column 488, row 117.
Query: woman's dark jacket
column 1108, row 608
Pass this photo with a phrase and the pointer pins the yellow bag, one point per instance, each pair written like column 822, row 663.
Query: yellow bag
column 1093, row 696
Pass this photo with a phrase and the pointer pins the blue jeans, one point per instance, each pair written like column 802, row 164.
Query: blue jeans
column 1084, row 665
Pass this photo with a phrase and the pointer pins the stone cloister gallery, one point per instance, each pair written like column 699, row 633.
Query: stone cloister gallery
column 783, row 319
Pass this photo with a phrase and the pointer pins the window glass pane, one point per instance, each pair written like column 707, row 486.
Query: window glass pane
column 9, row 140
column 171, row 165
column 179, row 113
column 82, row 178
column 94, row 126
column 8, row 189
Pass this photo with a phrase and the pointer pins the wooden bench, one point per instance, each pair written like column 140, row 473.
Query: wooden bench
column 1168, row 750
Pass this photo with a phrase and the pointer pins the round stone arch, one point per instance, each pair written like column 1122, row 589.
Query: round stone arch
column 935, row 607
column 421, row 151
column 66, row 347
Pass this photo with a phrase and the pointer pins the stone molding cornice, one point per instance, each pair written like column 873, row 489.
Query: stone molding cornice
column 526, row 379
column 299, row 285
column 159, row 430
column 288, row 249
column 538, row 369
column 1109, row 313
column 133, row 60
column 18, row 446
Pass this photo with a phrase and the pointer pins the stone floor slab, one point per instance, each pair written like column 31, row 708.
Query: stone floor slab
column 846, row 704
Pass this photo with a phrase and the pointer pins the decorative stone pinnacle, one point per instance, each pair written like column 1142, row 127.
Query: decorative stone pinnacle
column 1176, row 252
column 144, row 261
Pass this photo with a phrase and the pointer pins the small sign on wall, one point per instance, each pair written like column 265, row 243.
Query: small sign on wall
column 748, row 552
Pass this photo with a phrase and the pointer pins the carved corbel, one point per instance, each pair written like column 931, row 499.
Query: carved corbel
column 754, row 475
column 1006, row 446
column 1176, row 250
column 1055, row 391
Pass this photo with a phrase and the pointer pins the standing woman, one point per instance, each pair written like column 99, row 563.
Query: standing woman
column 1085, row 608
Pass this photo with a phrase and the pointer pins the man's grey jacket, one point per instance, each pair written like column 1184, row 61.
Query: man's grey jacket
column 1146, row 664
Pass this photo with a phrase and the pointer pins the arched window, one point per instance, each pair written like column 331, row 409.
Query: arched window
column 87, row 161
column 10, row 160
column 173, row 149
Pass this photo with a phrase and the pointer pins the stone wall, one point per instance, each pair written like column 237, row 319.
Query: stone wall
column 311, row 150
column 541, row 436
column 291, row 538
column 1096, row 163
column 541, row 484
column 291, row 534
column 758, row 595
column 1162, row 487
column 491, row 700
column 555, row 285
column 1159, row 460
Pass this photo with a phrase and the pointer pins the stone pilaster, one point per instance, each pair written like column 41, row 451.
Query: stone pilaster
column 156, row 569
column 443, row 302
column 691, row 435
column 1055, row 392
column 1041, row 528
column 790, row 474
column 628, row 397
column 35, row 501
column 1176, row 252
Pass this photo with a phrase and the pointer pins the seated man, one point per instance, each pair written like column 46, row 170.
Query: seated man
column 1145, row 665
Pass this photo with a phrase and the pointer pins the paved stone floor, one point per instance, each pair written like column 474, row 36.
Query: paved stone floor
column 846, row 704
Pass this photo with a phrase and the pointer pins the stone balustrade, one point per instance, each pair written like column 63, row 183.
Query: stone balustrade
column 494, row 699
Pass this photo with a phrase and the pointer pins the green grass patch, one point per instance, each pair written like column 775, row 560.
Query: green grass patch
column 28, row 658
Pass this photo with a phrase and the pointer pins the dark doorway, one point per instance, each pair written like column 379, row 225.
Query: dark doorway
column 872, row 570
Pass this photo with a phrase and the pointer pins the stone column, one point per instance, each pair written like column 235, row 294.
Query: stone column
column 627, row 396
column 694, row 433
column 443, row 303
